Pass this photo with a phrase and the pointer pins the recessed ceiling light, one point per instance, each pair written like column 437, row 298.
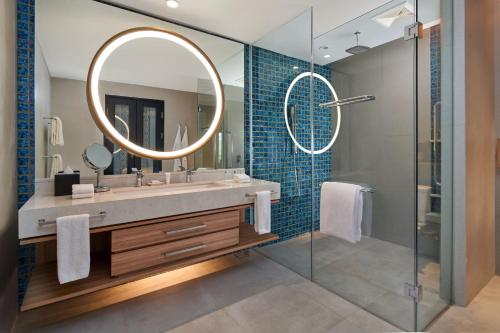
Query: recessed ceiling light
column 295, row 67
column 327, row 56
column 172, row 3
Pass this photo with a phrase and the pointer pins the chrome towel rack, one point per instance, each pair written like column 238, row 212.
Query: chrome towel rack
column 347, row 101
column 43, row 222
column 253, row 195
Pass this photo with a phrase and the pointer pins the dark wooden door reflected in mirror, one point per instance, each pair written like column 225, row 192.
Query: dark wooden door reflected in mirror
column 142, row 121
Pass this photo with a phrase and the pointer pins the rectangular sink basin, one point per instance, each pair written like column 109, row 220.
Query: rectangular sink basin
column 173, row 188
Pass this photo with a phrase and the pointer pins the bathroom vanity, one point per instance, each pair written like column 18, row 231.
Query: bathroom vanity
column 140, row 232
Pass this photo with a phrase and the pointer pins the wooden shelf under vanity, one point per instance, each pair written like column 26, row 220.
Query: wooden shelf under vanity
column 130, row 252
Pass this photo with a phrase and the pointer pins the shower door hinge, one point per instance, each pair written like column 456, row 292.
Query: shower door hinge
column 415, row 30
column 414, row 292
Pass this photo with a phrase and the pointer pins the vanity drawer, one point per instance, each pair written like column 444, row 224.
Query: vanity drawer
column 130, row 261
column 136, row 237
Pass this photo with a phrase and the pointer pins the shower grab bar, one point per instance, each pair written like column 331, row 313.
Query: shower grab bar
column 254, row 195
column 347, row 101
column 43, row 222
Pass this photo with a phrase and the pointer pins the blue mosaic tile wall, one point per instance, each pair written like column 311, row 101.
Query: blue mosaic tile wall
column 435, row 98
column 273, row 160
column 25, row 126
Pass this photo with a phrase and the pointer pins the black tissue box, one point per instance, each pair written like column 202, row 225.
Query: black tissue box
column 63, row 183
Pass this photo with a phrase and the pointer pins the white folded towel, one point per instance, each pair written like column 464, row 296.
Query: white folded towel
column 262, row 212
column 341, row 210
column 177, row 145
column 241, row 178
column 56, row 132
column 82, row 188
column 56, row 165
column 82, row 195
column 185, row 144
column 73, row 247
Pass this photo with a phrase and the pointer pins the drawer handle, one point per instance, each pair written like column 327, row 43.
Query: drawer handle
column 186, row 250
column 189, row 229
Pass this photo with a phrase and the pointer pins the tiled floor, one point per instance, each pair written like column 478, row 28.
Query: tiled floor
column 481, row 315
column 370, row 274
column 256, row 296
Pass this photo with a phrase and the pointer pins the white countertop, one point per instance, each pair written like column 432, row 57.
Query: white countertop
column 124, row 205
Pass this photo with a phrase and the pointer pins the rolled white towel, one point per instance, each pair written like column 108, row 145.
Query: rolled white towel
column 241, row 178
column 56, row 165
column 82, row 188
column 82, row 195
column 56, row 132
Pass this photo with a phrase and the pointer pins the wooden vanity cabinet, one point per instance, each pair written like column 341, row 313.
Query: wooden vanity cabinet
column 132, row 251
column 164, row 242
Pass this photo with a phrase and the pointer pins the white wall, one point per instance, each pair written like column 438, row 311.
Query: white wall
column 8, row 194
column 42, row 107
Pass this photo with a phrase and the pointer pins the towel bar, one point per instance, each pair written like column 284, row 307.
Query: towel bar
column 253, row 195
column 364, row 189
column 43, row 222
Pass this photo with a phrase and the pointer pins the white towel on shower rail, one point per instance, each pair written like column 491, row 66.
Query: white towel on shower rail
column 341, row 210
column 73, row 247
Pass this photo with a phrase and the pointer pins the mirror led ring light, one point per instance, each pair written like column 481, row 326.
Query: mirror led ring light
column 97, row 110
column 334, row 93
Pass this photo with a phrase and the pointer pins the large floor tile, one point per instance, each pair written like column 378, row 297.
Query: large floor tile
column 282, row 310
column 345, row 326
column 256, row 275
column 335, row 303
column 481, row 315
column 168, row 308
column 217, row 322
column 370, row 322
column 395, row 309
column 108, row 320
column 355, row 289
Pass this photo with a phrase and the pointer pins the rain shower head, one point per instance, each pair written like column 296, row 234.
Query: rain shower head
column 358, row 48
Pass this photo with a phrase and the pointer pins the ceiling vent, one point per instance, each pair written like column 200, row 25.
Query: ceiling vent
column 390, row 16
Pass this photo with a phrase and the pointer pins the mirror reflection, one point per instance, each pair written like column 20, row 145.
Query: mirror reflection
column 155, row 93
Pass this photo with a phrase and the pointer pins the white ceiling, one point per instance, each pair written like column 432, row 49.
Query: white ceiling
column 70, row 32
column 283, row 25
column 372, row 33
column 249, row 21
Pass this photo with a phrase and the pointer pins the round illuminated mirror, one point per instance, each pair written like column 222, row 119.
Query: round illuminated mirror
column 144, row 88
column 297, row 123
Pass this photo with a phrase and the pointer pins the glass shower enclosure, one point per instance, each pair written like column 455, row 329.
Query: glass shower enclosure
column 375, row 113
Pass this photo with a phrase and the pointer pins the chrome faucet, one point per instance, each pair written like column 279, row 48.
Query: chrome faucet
column 139, row 175
column 188, row 172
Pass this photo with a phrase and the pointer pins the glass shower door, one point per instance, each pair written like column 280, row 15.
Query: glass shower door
column 434, row 191
column 376, row 150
